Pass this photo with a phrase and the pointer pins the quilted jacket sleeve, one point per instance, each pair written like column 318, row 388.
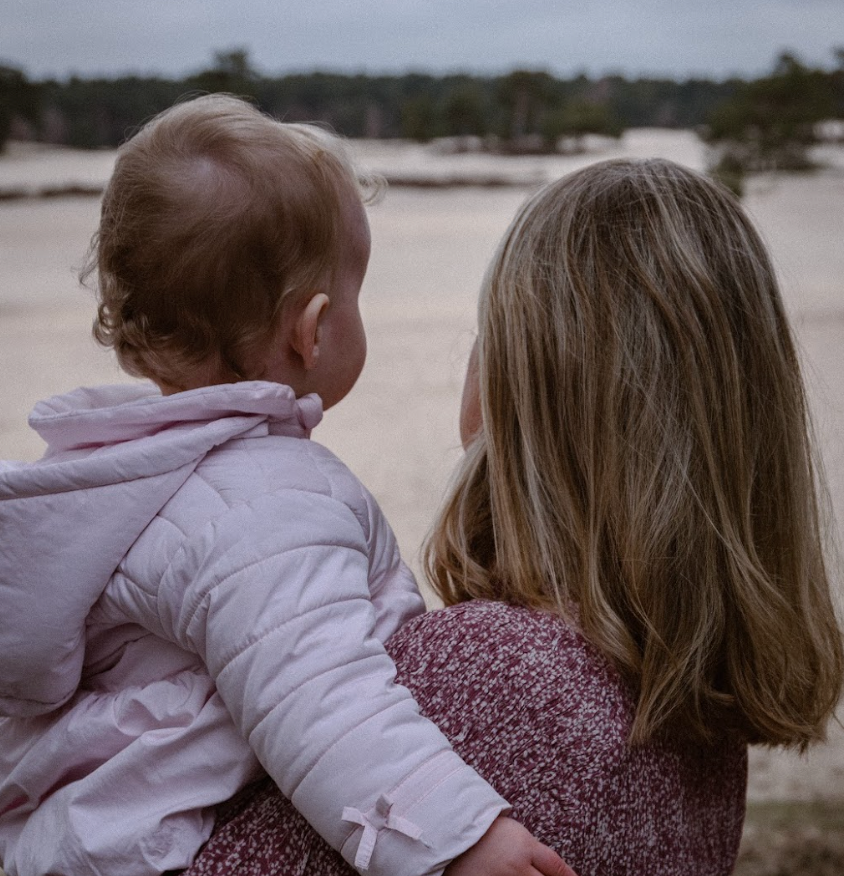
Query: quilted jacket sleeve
column 275, row 598
column 392, row 587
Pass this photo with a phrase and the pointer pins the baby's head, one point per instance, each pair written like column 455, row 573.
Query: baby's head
column 232, row 246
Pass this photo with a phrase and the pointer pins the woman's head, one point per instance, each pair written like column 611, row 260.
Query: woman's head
column 215, row 217
column 643, row 453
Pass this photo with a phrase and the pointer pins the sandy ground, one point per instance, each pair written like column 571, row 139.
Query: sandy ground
column 398, row 429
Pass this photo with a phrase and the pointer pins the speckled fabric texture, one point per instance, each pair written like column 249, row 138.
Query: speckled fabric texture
column 544, row 718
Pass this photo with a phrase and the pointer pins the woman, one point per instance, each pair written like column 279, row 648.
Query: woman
column 630, row 551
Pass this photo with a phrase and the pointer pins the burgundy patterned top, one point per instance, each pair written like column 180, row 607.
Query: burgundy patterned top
column 544, row 718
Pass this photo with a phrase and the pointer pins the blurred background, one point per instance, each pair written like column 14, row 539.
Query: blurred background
column 464, row 109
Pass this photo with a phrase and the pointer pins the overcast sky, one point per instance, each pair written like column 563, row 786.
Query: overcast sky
column 676, row 38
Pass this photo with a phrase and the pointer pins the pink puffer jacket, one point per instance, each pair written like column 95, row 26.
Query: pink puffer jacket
column 192, row 590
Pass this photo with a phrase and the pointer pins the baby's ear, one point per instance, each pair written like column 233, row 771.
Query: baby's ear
column 306, row 329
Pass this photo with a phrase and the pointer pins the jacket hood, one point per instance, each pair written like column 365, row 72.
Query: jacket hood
column 115, row 456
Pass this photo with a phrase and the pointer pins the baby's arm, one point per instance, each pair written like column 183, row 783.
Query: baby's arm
column 507, row 847
column 274, row 598
column 393, row 590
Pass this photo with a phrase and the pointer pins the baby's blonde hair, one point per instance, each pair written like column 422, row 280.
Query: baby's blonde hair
column 645, row 464
column 215, row 215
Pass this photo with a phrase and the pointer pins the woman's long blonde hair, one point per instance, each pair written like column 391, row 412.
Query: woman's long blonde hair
column 645, row 465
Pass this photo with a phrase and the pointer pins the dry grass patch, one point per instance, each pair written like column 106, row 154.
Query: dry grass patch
column 793, row 839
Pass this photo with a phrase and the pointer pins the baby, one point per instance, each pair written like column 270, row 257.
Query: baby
column 191, row 590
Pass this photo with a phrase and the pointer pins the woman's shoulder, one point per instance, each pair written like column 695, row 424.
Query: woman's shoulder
column 511, row 662
column 480, row 619
column 505, row 636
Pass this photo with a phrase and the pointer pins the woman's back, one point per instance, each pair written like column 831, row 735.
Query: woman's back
column 546, row 720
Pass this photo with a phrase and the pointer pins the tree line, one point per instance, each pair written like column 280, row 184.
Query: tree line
column 771, row 118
